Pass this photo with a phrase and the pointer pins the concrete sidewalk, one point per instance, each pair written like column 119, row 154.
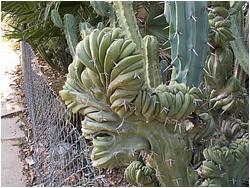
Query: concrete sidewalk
column 11, row 167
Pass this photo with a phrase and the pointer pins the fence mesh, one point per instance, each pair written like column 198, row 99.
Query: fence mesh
column 61, row 155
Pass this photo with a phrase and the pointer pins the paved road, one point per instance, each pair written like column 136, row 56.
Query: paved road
column 11, row 167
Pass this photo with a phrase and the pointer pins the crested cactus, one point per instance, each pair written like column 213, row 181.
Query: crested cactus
column 121, row 117
column 227, row 94
column 140, row 174
column 115, row 82
column 225, row 166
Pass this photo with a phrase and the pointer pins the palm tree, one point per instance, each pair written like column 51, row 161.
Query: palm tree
column 30, row 21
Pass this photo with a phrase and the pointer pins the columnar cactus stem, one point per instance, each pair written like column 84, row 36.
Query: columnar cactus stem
column 238, row 46
column 70, row 32
column 104, row 9
column 188, row 37
column 151, row 58
column 149, row 45
column 164, row 157
column 195, row 74
column 128, row 22
column 69, row 27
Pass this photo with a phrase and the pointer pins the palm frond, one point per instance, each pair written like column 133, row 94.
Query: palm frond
column 30, row 20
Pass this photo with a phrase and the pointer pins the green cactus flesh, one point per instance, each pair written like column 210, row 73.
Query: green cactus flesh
column 70, row 32
column 149, row 45
column 227, row 94
column 225, row 166
column 239, row 47
column 188, row 37
column 118, row 133
column 105, row 84
column 69, row 27
column 127, row 20
column 56, row 18
column 151, row 58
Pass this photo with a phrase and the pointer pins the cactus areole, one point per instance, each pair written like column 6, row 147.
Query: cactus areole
column 123, row 116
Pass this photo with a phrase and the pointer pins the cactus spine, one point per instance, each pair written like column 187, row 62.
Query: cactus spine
column 188, row 37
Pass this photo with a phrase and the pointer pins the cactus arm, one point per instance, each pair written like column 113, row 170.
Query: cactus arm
column 181, row 52
column 171, row 10
column 69, row 27
column 56, row 18
column 85, row 29
column 70, row 33
column 201, row 44
column 128, row 22
column 185, row 39
column 149, row 45
column 102, row 8
column 151, row 60
column 185, row 35
column 238, row 46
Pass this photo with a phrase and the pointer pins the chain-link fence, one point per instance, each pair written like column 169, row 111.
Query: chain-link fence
column 61, row 155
